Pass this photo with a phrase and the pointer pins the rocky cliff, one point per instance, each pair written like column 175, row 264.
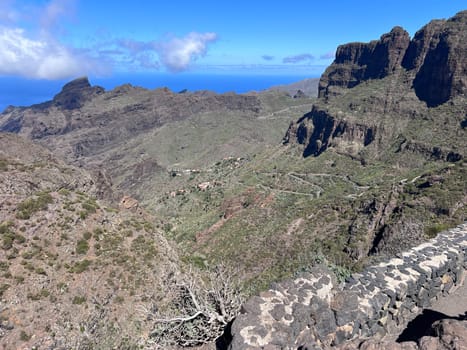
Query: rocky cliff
column 442, row 48
column 318, row 130
column 435, row 57
column 376, row 91
column 357, row 62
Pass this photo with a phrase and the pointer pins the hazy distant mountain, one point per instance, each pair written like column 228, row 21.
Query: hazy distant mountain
column 309, row 87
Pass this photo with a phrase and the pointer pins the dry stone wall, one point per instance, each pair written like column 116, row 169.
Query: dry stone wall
column 315, row 312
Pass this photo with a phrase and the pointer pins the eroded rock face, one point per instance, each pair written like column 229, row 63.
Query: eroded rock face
column 373, row 91
column 75, row 93
column 423, row 40
column 319, row 130
column 356, row 62
column 436, row 55
column 443, row 74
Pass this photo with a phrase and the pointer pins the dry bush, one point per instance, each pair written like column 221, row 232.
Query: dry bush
column 200, row 308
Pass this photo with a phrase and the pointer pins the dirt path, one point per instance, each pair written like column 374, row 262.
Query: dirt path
column 272, row 114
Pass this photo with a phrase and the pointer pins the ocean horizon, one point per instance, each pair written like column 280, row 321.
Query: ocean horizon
column 25, row 92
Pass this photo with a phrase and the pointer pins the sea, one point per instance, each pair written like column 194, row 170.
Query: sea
column 25, row 92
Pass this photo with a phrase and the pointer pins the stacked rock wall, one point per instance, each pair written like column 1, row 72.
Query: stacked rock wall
column 314, row 312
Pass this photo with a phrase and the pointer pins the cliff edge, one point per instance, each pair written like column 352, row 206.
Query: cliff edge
column 435, row 57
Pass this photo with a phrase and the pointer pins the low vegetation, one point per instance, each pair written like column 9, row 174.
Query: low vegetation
column 40, row 201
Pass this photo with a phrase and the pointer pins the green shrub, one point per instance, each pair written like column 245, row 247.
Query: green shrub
column 41, row 271
column 8, row 236
column 5, row 227
column 78, row 300
column 24, row 336
column 19, row 279
column 82, row 246
column 7, row 240
column 28, row 254
column 4, row 265
column 89, row 207
column 81, row 266
column 148, row 226
column 3, row 288
column 433, row 230
column 119, row 299
column 34, row 297
column 32, row 205
column 64, row 192
column 3, row 165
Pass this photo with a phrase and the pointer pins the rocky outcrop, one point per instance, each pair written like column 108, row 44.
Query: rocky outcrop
column 313, row 312
column 429, row 151
column 435, row 56
column 443, row 74
column 318, row 130
column 75, row 93
column 446, row 334
column 423, row 41
column 357, row 62
column 403, row 79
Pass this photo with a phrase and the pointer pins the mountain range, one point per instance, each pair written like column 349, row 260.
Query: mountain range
column 109, row 198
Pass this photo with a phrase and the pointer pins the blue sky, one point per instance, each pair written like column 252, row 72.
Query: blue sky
column 58, row 39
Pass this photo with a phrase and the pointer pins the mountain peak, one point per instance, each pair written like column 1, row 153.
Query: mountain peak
column 78, row 83
column 75, row 93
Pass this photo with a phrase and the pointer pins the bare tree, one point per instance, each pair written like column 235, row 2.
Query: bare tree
column 200, row 308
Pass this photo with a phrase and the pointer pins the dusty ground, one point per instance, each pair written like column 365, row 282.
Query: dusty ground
column 455, row 304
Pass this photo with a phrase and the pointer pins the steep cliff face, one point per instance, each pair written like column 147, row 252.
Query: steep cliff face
column 356, row 62
column 318, row 130
column 375, row 91
column 435, row 57
column 443, row 74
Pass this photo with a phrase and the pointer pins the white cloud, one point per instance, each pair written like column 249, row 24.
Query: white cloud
column 328, row 55
column 36, row 52
column 298, row 58
column 176, row 54
column 31, row 45
column 40, row 59
column 267, row 57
